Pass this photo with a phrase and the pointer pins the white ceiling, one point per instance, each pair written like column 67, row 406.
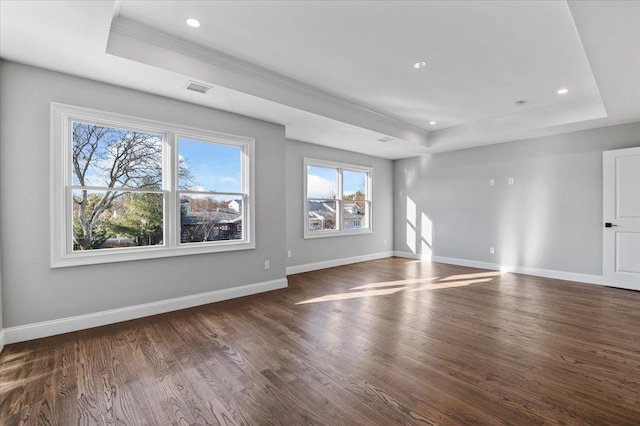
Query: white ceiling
column 340, row 73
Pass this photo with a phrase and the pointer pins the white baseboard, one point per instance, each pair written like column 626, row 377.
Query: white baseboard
column 545, row 273
column 22, row 333
column 1, row 340
column 471, row 263
column 336, row 262
column 407, row 255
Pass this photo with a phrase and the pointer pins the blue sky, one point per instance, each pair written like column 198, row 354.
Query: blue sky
column 323, row 181
column 214, row 167
column 353, row 181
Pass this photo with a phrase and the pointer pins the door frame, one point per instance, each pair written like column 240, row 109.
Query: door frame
column 609, row 234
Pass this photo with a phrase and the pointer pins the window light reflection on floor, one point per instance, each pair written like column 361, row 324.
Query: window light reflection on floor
column 355, row 295
column 423, row 284
column 472, row 276
column 394, row 283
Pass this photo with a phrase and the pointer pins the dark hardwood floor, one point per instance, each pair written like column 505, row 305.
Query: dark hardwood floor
column 392, row 341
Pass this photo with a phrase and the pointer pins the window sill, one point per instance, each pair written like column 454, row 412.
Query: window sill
column 309, row 235
column 142, row 253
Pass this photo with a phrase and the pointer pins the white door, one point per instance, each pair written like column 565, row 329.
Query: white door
column 621, row 227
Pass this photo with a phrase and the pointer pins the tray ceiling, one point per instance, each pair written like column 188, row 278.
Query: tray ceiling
column 341, row 73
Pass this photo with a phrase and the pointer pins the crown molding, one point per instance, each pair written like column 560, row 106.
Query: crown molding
column 577, row 110
column 529, row 114
column 145, row 33
column 294, row 93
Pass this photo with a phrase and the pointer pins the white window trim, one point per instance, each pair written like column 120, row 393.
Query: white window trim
column 340, row 232
column 62, row 254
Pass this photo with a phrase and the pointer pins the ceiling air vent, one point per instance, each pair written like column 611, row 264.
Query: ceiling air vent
column 197, row 87
column 386, row 139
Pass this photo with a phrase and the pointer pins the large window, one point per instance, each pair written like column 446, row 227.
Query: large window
column 337, row 198
column 124, row 188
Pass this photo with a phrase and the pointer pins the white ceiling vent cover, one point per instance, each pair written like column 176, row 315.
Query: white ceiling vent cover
column 197, row 87
column 386, row 139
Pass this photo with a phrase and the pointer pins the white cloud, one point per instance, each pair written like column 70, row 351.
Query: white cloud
column 319, row 187
column 229, row 179
column 196, row 188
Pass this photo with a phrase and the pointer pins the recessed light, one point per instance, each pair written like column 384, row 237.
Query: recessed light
column 419, row 65
column 563, row 91
column 193, row 22
column 433, row 123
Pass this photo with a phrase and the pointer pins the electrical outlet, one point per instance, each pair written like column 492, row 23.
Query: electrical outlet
column 510, row 181
column 492, row 250
column 267, row 264
column 492, row 182
column 288, row 253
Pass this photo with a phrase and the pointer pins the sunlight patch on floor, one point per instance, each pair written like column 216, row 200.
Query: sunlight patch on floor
column 346, row 296
column 449, row 284
column 10, row 385
column 423, row 284
column 394, row 283
column 472, row 276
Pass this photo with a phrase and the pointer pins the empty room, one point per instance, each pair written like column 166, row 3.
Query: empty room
column 319, row 212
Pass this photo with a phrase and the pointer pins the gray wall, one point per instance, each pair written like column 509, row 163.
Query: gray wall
column 332, row 248
column 33, row 291
column 1, row 320
column 551, row 218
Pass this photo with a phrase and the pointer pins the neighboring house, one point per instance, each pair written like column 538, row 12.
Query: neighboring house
column 316, row 221
column 321, row 216
column 229, row 229
column 215, row 225
column 185, row 206
column 353, row 215
column 236, row 205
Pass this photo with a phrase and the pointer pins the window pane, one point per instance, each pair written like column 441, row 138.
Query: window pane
column 322, row 182
column 207, row 166
column 355, row 214
column 354, row 185
column 322, row 215
column 115, row 219
column 110, row 157
column 210, row 218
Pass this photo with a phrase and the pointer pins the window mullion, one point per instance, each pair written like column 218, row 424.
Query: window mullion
column 170, row 185
column 67, row 210
column 68, row 220
column 369, row 196
column 339, row 203
column 247, row 189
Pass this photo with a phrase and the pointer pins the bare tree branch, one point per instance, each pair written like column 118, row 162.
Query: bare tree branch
column 115, row 159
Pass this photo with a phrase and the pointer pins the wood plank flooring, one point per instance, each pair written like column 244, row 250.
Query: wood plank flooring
column 386, row 342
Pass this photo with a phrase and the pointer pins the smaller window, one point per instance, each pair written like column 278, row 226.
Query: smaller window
column 337, row 199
